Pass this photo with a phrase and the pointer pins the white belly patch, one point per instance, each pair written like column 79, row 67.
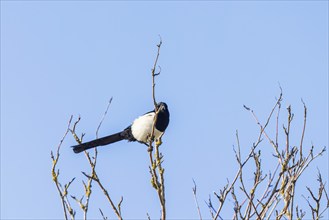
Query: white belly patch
column 141, row 128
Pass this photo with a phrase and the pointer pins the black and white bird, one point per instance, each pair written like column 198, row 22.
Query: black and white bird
column 140, row 130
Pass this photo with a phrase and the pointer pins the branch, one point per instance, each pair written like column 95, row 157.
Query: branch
column 196, row 200
column 96, row 179
column 227, row 189
column 303, row 132
column 55, row 173
column 102, row 214
column 104, row 115
column 316, row 208
column 156, row 170
column 154, row 74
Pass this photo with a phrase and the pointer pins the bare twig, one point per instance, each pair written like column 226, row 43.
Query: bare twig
column 316, row 208
column 196, row 199
column 104, row 115
column 211, row 207
column 303, row 132
column 154, row 74
column 92, row 164
column 102, row 214
column 55, row 173
column 227, row 189
column 96, row 179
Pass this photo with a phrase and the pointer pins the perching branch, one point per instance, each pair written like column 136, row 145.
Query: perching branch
column 156, row 170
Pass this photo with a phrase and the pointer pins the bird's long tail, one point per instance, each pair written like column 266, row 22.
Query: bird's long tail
column 99, row 142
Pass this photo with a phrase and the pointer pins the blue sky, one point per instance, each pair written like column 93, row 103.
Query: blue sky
column 63, row 58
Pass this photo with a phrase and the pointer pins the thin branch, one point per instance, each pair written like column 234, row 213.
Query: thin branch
column 262, row 128
column 211, row 207
column 119, row 204
column 196, row 199
column 104, row 115
column 303, row 132
column 96, row 179
column 316, row 208
column 228, row 188
column 154, row 74
column 55, row 173
column 92, row 164
column 103, row 216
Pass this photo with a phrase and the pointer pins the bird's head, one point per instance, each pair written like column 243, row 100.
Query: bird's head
column 161, row 106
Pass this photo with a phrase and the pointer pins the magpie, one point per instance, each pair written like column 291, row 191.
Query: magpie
column 140, row 130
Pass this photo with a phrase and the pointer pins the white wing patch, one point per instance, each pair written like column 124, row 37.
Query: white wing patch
column 141, row 128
